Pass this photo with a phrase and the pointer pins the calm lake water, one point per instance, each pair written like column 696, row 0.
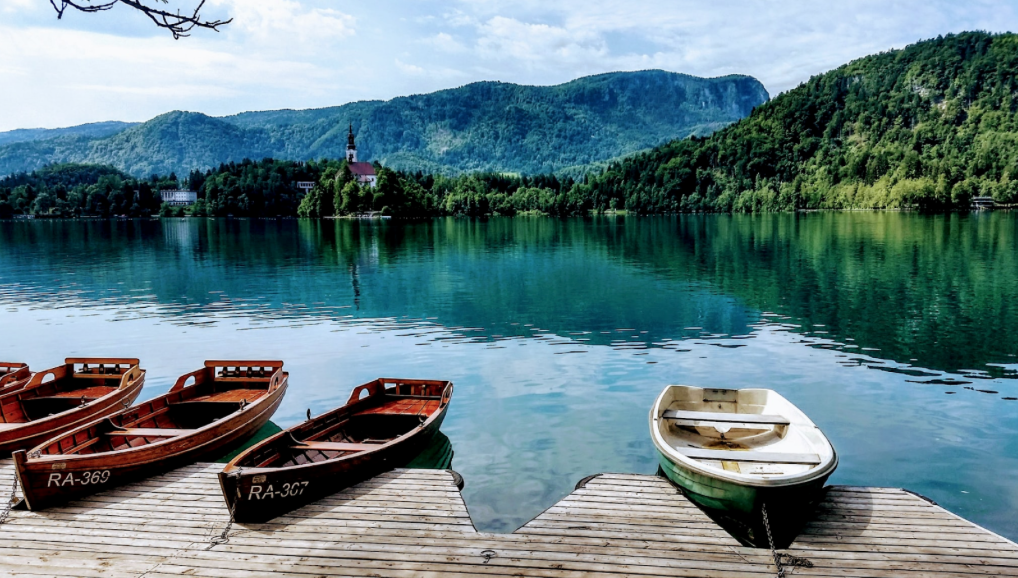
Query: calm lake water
column 896, row 333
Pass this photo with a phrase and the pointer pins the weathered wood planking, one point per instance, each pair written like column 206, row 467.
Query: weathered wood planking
column 410, row 523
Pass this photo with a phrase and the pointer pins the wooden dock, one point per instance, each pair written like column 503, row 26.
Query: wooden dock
column 411, row 523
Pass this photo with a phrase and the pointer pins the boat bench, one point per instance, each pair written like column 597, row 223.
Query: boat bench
column 41, row 407
column 709, row 416
column 335, row 446
column 749, row 456
column 94, row 392
column 195, row 414
column 149, row 432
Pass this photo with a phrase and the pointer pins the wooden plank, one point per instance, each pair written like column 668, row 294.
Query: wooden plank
column 336, row 446
column 415, row 523
column 748, row 456
column 711, row 417
column 150, row 432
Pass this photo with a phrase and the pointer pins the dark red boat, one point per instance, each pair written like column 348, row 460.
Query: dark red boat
column 66, row 397
column 213, row 415
column 384, row 425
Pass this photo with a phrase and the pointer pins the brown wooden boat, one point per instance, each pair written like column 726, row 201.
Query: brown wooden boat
column 65, row 397
column 384, row 425
column 225, row 405
column 13, row 376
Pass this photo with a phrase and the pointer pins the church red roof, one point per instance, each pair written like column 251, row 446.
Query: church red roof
column 362, row 169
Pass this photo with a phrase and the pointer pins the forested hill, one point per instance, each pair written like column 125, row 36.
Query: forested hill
column 485, row 126
column 91, row 130
column 927, row 127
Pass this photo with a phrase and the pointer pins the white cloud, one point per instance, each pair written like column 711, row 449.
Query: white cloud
column 133, row 78
column 507, row 38
column 286, row 21
column 11, row 6
column 409, row 68
column 781, row 43
column 312, row 53
column 458, row 18
column 445, row 43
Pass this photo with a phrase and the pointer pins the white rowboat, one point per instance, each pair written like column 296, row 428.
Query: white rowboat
column 735, row 452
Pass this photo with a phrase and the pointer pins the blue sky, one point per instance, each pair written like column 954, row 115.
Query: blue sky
column 306, row 54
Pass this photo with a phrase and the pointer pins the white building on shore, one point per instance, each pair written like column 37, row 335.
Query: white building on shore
column 179, row 198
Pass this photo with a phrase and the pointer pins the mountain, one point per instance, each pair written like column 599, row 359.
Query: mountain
column 927, row 127
column 95, row 129
column 489, row 126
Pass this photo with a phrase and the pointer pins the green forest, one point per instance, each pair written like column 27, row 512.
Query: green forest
column 927, row 128
column 482, row 126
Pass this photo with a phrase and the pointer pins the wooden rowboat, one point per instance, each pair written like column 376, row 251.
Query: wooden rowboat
column 218, row 411
column 737, row 452
column 13, row 376
column 384, row 425
column 66, row 397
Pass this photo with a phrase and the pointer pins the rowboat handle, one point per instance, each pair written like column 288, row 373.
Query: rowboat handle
column 183, row 379
column 56, row 372
column 130, row 375
column 374, row 388
column 277, row 378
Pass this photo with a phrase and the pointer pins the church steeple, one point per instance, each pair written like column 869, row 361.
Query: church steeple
column 351, row 148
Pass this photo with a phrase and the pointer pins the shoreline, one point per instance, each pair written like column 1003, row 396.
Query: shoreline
column 528, row 214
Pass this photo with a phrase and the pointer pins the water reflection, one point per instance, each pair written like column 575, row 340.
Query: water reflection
column 558, row 334
column 935, row 292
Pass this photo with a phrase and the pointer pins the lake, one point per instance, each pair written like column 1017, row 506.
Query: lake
column 895, row 332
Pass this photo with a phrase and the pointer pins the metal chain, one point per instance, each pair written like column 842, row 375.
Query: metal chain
column 10, row 501
column 782, row 560
column 225, row 536
column 770, row 540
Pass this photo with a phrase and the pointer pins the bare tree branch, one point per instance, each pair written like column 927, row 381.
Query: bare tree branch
column 180, row 25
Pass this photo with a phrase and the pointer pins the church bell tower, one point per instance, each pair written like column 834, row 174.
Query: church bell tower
column 351, row 148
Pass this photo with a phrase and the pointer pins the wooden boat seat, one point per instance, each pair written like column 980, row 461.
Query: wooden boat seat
column 88, row 392
column 749, row 456
column 335, row 446
column 406, row 405
column 150, row 432
column 698, row 416
column 233, row 395
column 41, row 407
column 193, row 414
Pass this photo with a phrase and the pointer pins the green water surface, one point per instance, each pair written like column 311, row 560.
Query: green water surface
column 896, row 332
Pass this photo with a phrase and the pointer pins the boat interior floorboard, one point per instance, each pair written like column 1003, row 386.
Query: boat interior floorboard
column 408, row 523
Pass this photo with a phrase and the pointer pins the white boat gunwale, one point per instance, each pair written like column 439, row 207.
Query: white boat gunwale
column 795, row 417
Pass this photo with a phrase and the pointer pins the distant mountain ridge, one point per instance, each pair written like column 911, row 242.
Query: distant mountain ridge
column 93, row 129
column 483, row 126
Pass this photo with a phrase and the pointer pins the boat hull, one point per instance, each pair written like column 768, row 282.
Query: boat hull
column 738, row 507
column 258, row 495
column 47, row 482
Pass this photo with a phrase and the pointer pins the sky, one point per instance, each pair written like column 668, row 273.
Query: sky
column 297, row 54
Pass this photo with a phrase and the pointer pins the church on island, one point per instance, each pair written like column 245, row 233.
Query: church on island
column 363, row 172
